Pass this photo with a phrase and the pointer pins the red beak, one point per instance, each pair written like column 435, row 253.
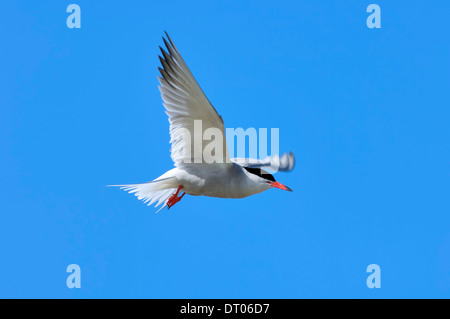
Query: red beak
column 280, row 186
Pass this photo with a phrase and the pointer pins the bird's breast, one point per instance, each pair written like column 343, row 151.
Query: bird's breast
column 216, row 180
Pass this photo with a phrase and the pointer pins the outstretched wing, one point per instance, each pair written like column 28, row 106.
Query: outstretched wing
column 185, row 103
column 285, row 163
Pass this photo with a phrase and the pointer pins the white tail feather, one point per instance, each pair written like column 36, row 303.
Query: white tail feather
column 158, row 191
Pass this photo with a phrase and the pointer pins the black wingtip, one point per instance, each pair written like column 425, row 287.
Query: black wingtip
column 170, row 40
column 164, row 39
column 166, row 44
column 168, row 37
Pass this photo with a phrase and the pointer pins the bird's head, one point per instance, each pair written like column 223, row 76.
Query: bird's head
column 260, row 176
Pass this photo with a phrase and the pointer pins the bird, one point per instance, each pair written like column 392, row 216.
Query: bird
column 197, row 173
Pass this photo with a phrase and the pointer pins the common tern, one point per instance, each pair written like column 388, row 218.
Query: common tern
column 196, row 172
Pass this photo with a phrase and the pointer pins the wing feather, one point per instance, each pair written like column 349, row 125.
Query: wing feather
column 185, row 102
column 285, row 163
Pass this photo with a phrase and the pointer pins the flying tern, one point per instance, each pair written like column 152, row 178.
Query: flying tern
column 195, row 172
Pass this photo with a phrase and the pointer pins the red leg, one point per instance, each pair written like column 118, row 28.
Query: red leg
column 174, row 198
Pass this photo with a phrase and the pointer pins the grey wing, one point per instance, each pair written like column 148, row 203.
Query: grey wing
column 185, row 103
column 285, row 163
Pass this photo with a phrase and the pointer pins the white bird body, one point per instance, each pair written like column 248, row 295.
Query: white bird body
column 216, row 180
column 194, row 173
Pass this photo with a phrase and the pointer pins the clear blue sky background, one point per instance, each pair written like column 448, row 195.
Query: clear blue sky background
column 365, row 111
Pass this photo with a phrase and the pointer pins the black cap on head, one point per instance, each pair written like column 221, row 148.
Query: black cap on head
column 261, row 173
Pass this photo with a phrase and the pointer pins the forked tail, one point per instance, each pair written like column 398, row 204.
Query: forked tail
column 157, row 191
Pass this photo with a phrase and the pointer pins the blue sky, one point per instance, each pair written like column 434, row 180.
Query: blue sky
column 365, row 112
